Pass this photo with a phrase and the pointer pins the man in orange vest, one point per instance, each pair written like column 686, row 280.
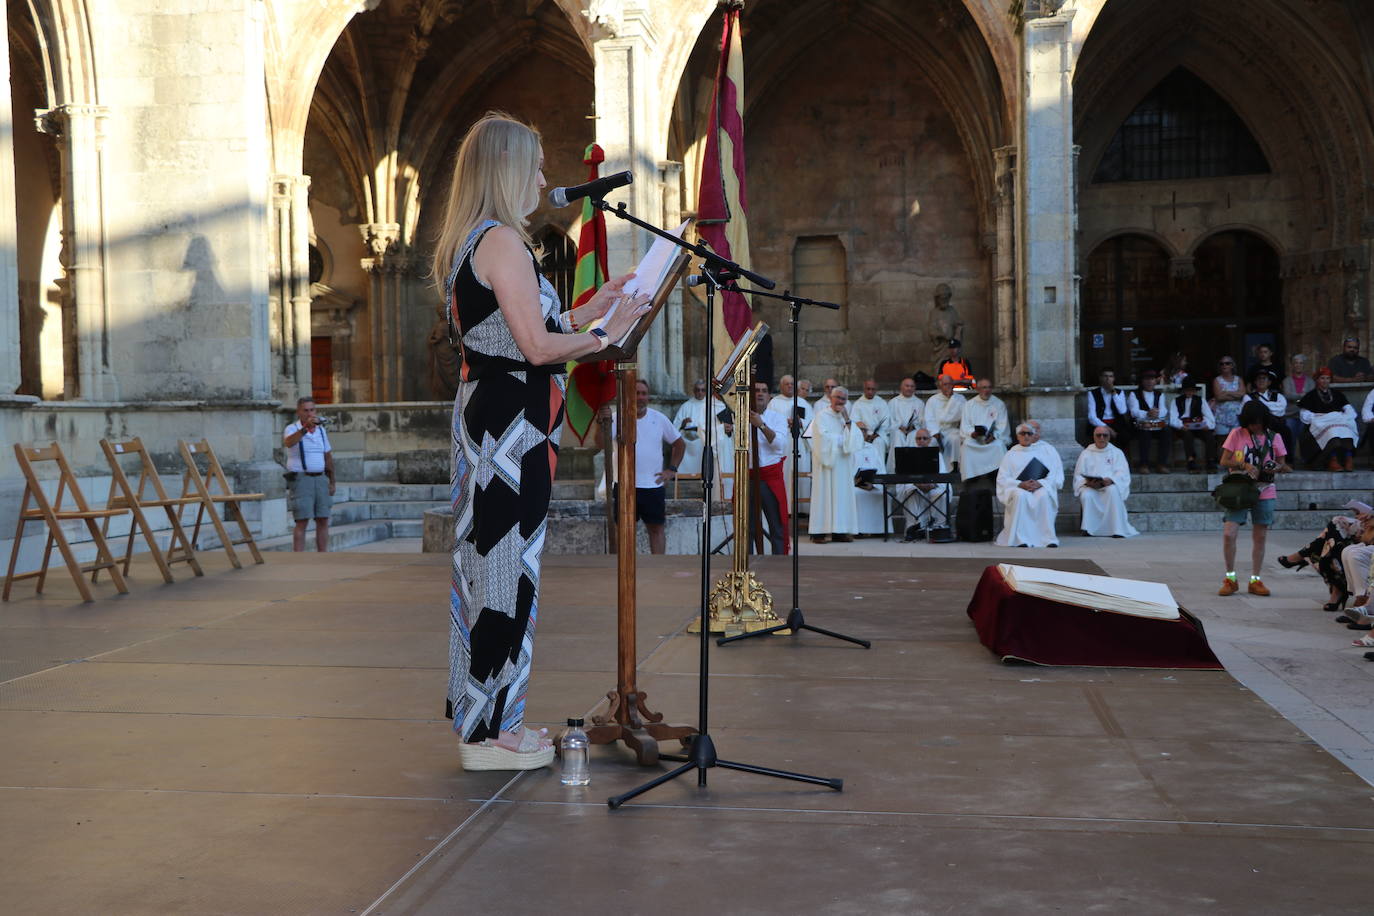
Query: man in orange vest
column 956, row 367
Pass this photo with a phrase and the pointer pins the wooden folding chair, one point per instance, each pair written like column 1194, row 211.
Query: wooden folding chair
column 201, row 485
column 122, row 493
column 52, row 514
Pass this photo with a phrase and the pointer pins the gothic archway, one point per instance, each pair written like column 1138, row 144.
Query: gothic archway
column 1141, row 304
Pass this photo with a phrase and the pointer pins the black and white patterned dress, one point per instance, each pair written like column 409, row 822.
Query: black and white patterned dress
column 507, row 418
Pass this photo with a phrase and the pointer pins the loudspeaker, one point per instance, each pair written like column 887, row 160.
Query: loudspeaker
column 973, row 520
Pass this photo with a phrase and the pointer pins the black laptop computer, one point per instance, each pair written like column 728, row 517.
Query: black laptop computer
column 912, row 460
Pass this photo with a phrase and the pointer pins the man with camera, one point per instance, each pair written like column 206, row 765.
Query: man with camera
column 309, row 475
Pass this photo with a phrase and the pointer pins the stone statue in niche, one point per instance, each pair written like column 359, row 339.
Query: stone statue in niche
column 445, row 359
column 943, row 324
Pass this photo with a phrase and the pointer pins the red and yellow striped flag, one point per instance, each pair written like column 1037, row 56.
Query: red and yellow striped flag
column 590, row 385
column 721, row 221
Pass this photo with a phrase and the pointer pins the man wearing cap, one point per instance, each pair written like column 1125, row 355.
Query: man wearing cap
column 955, row 366
column 1151, row 416
column 1190, row 415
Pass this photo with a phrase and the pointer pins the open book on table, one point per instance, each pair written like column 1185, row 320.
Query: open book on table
column 1099, row 593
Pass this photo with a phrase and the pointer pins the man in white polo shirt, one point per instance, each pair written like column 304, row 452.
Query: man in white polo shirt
column 653, row 431
column 310, row 475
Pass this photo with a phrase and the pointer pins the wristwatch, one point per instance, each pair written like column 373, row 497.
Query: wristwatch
column 603, row 340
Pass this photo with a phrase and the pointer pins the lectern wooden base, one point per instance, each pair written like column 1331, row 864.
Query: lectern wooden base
column 626, row 718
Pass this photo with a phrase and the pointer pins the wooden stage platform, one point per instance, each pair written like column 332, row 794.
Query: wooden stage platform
column 271, row 741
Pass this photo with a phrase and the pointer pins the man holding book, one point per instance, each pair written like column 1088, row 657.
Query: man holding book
column 983, row 433
column 1028, row 482
column 1102, row 483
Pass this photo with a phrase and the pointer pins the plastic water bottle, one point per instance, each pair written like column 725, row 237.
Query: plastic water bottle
column 573, row 748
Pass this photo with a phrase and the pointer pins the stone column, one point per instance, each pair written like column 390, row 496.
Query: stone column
column 1049, row 223
column 290, row 287
column 80, row 132
column 386, row 269
column 1009, row 362
column 675, row 380
column 626, row 70
column 9, row 234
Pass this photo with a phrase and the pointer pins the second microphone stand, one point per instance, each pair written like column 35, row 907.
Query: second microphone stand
column 796, row 620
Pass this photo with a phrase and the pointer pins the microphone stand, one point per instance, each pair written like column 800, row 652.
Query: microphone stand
column 701, row 755
column 796, row 620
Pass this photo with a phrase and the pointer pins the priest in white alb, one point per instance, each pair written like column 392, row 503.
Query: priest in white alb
column 1028, row 482
column 690, row 422
column 943, row 413
column 906, row 414
column 985, row 431
column 871, row 415
column 835, row 441
column 787, row 402
column 1102, row 483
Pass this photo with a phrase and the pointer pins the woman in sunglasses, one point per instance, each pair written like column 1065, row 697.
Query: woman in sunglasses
column 1228, row 390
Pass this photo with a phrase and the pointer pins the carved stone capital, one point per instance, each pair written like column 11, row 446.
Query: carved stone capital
column 1182, row 268
column 67, row 121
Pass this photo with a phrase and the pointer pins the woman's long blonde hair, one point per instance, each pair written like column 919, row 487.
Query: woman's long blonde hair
column 494, row 177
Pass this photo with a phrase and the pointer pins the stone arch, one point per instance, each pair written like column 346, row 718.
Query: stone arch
column 1260, row 232
column 1295, row 76
column 64, row 45
column 394, row 95
column 1162, row 241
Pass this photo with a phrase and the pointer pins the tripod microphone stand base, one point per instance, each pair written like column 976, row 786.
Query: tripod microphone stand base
column 701, row 756
column 794, row 624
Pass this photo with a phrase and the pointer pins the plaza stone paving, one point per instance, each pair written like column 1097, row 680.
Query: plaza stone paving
column 270, row 741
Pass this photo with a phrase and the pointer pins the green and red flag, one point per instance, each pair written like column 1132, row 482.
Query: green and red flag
column 721, row 203
column 590, row 385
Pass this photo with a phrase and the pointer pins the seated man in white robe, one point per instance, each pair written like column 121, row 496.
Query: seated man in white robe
column 1028, row 482
column 835, row 441
column 1102, row 483
column 985, row 431
column 871, row 415
column 928, row 509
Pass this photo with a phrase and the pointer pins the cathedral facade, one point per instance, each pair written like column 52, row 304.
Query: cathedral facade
column 209, row 210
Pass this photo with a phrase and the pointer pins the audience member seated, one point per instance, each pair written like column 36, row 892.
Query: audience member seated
column 1102, row 483
column 1324, row 554
column 1262, row 390
column 1177, row 370
column 1191, row 417
column 1150, row 414
column 1028, row 482
column 1264, row 362
column 1331, row 421
column 1226, row 393
column 1107, row 407
column 1350, row 366
column 1296, row 384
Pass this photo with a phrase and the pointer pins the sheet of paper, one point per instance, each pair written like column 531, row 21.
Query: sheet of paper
column 649, row 275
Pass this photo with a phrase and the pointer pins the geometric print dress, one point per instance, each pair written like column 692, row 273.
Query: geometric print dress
column 507, row 418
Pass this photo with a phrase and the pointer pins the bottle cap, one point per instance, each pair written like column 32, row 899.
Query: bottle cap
column 578, row 722
column 572, row 722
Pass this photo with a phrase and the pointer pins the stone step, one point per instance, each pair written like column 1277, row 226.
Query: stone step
column 574, row 489
column 341, row 537
column 362, row 491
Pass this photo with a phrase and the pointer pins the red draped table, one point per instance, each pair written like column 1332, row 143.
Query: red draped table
column 1046, row 632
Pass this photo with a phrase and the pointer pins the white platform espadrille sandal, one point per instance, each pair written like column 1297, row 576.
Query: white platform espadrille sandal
column 489, row 755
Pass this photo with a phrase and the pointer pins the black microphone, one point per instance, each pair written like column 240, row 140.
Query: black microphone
column 596, row 189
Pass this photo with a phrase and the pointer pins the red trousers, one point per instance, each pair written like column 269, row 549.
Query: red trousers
column 771, row 477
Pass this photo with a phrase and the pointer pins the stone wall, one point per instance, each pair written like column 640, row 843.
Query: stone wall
column 863, row 149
